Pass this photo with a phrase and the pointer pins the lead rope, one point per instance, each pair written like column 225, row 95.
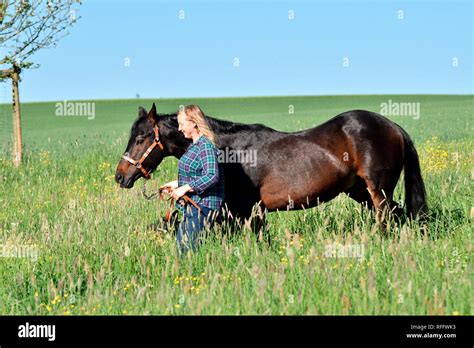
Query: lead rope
column 147, row 196
column 159, row 193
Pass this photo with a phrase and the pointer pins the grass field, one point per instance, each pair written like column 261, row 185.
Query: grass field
column 96, row 256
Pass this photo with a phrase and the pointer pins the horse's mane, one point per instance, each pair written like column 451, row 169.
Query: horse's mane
column 222, row 126
column 228, row 127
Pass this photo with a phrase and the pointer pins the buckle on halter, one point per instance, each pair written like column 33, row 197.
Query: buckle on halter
column 157, row 134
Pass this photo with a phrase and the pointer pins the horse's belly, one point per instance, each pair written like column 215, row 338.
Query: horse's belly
column 301, row 191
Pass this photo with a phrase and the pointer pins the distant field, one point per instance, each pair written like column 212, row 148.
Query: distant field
column 96, row 255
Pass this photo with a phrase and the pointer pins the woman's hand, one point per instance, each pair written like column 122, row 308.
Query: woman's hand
column 169, row 187
column 180, row 191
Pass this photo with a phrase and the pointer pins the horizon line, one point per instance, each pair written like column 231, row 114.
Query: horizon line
column 247, row 97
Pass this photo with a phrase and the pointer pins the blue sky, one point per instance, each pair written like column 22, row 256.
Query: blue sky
column 196, row 56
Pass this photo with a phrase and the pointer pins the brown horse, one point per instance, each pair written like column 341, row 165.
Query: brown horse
column 358, row 152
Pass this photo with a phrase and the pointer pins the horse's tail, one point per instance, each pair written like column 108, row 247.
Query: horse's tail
column 415, row 193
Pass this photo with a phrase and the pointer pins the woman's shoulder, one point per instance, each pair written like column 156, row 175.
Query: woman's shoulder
column 206, row 146
column 205, row 142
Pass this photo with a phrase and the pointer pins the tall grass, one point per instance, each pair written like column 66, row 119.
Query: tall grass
column 97, row 255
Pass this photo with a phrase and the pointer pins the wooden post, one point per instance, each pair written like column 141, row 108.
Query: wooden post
column 14, row 74
column 17, row 146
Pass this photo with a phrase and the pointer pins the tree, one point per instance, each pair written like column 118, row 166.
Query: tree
column 27, row 26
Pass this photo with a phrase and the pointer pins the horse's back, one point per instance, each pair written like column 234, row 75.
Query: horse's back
column 358, row 120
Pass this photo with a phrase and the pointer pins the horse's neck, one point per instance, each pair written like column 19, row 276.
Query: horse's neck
column 235, row 138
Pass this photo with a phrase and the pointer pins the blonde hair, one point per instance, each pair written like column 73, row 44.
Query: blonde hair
column 194, row 113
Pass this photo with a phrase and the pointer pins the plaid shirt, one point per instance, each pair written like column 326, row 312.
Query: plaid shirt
column 199, row 168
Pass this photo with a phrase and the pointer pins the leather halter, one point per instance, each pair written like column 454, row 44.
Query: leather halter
column 139, row 163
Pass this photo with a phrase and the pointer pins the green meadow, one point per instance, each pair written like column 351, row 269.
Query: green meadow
column 86, row 248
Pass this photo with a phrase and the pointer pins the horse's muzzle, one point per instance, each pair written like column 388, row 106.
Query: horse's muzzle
column 124, row 183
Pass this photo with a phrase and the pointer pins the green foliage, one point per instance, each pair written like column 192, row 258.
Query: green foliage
column 29, row 26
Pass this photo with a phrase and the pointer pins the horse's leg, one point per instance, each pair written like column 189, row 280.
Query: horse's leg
column 380, row 186
column 360, row 194
column 260, row 225
column 255, row 220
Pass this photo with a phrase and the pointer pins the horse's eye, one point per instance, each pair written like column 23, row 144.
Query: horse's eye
column 139, row 140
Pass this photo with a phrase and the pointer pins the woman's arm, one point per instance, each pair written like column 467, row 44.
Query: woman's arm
column 210, row 170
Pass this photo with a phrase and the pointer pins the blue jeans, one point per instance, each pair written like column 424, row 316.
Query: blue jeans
column 190, row 228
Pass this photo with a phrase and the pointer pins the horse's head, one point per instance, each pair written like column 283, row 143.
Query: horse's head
column 152, row 138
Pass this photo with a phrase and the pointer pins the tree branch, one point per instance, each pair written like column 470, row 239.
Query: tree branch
column 29, row 25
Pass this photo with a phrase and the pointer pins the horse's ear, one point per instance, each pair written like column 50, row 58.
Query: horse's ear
column 142, row 112
column 152, row 114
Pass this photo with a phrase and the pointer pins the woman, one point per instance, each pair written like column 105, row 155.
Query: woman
column 200, row 177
